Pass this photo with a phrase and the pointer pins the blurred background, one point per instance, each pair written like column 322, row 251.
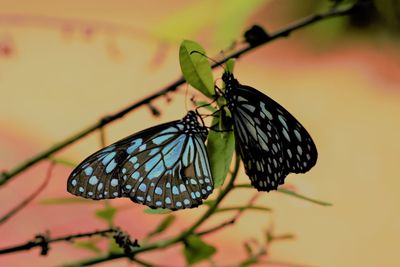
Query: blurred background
column 64, row 65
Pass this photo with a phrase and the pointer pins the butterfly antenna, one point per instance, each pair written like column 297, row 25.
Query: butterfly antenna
column 219, row 64
column 200, row 116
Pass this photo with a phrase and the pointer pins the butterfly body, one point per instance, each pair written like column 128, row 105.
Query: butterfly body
column 271, row 142
column 165, row 166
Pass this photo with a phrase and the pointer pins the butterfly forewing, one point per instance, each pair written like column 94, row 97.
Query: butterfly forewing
column 272, row 143
column 162, row 167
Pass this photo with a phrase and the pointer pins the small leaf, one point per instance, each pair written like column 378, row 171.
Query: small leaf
column 205, row 105
column 230, row 64
column 168, row 220
column 195, row 67
column 157, row 211
column 113, row 247
column 107, row 214
column 88, row 245
column 65, row 200
column 196, row 250
column 220, row 147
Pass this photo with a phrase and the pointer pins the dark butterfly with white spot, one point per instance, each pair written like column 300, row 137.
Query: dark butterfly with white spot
column 165, row 166
column 271, row 142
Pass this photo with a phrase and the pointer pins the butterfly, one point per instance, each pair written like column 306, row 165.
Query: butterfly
column 270, row 141
column 165, row 166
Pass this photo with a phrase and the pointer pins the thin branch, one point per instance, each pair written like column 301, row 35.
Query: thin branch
column 243, row 208
column 43, row 240
column 231, row 221
column 218, row 227
column 6, row 176
column 29, row 199
column 294, row 194
column 291, row 193
column 253, row 259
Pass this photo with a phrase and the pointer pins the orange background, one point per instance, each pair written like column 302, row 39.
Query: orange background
column 63, row 66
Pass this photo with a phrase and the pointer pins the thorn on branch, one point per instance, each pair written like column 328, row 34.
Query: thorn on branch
column 154, row 110
column 43, row 242
column 124, row 241
column 167, row 98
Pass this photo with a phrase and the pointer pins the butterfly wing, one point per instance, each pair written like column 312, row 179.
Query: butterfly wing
column 99, row 176
column 271, row 141
column 175, row 175
column 260, row 151
column 164, row 166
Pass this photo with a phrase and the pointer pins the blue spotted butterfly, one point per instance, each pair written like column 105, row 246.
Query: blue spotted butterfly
column 270, row 141
column 165, row 166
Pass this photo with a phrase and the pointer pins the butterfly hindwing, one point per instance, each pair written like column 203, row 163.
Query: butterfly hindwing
column 272, row 143
column 165, row 166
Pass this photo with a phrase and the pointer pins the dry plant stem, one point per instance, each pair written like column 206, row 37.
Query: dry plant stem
column 31, row 197
column 6, row 176
column 36, row 243
column 179, row 238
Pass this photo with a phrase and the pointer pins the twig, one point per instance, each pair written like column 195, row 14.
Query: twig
column 291, row 193
column 43, row 240
column 243, row 208
column 294, row 194
column 254, row 258
column 239, row 210
column 6, row 176
column 26, row 201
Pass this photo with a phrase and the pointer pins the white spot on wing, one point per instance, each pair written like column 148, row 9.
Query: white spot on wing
column 93, row 180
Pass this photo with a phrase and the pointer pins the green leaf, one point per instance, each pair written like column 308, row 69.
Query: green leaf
column 230, row 64
column 168, row 220
column 220, row 148
column 113, row 247
column 205, row 105
column 88, row 245
column 107, row 214
column 294, row 194
column 157, row 211
column 66, row 200
column 195, row 67
column 196, row 250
